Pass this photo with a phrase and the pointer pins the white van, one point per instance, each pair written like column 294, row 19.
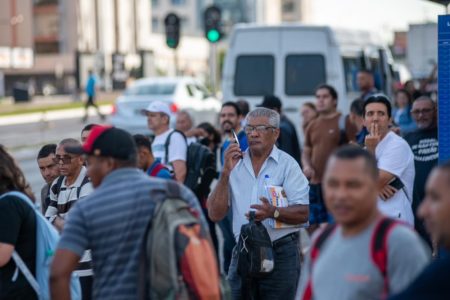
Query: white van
column 290, row 61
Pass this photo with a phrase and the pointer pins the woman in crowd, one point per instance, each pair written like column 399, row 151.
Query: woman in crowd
column 402, row 111
column 17, row 231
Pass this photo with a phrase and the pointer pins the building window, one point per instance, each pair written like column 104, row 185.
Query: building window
column 178, row 2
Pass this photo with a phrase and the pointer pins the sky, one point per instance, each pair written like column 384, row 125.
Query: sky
column 382, row 16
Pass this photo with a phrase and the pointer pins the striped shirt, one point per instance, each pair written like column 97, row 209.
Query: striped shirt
column 61, row 203
column 112, row 222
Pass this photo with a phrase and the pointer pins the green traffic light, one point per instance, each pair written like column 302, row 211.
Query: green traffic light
column 213, row 35
column 171, row 43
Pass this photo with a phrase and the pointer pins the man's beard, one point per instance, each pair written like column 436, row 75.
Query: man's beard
column 227, row 130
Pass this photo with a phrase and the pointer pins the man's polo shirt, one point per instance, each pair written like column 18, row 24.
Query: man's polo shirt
column 246, row 188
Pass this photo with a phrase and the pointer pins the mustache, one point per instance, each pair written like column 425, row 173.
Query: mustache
column 227, row 122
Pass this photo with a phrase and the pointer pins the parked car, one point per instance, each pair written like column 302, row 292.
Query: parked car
column 180, row 93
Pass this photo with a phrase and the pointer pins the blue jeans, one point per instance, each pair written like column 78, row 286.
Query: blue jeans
column 281, row 283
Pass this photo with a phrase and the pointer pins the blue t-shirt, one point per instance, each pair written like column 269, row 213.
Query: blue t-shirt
column 90, row 86
column 162, row 173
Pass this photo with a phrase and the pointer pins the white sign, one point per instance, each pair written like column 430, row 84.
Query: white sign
column 5, row 57
column 22, row 58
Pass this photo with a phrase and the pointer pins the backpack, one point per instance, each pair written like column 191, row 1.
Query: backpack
column 200, row 165
column 156, row 169
column 378, row 251
column 56, row 188
column 177, row 258
column 255, row 255
column 46, row 243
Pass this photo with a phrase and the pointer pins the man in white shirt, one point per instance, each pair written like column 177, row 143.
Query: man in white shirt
column 169, row 146
column 395, row 160
column 241, row 187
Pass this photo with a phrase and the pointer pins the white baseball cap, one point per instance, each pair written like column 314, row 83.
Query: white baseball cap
column 158, row 107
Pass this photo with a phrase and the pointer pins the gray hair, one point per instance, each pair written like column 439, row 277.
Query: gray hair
column 273, row 116
column 426, row 98
column 69, row 141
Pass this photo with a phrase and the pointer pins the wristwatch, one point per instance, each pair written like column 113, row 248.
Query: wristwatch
column 276, row 213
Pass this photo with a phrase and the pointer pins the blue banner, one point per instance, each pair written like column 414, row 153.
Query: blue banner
column 444, row 87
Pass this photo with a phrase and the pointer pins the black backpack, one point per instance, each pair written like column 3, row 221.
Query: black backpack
column 256, row 257
column 200, row 166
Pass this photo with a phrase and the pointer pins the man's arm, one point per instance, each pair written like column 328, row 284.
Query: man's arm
column 6, row 251
column 180, row 170
column 218, row 200
column 306, row 161
column 294, row 214
column 64, row 263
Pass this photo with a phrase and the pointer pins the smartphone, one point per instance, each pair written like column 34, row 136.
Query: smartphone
column 236, row 138
column 396, row 183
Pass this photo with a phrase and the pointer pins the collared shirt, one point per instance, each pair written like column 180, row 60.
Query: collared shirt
column 112, row 222
column 246, row 188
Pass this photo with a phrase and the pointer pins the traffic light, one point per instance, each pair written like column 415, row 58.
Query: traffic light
column 172, row 25
column 213, row 24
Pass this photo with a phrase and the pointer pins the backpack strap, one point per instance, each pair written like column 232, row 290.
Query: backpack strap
column 158, row 167
column 26, row 272
column 85, row 180
column 167, row 144
column 315, row 250
column 379, row 251
column 56, row 188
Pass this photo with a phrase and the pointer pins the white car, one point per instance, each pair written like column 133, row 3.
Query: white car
column 180, row 93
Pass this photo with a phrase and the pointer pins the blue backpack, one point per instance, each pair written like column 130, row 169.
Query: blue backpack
column 47, row 238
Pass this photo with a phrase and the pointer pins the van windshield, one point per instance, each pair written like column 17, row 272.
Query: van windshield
column 255, row 75
column 304, row 72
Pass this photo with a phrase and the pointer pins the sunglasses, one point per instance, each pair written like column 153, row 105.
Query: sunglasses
column 66, row 159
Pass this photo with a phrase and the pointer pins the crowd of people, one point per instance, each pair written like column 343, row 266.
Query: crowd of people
column 366, row 187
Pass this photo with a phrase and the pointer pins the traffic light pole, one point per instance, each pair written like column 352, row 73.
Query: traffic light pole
column 175, row 61
column 213, row 67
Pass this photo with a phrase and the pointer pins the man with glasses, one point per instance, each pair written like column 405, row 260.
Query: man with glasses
column 71, row 186
column 424, row 144
column 242, row 187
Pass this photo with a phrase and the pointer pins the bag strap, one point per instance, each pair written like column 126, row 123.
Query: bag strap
column 315, row 250
column 156, row 169
column 167, row 144
column 379, row 251
column 26, row 272
column 56, row 189
column 85, row 180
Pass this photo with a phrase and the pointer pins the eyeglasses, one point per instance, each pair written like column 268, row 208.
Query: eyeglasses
column 65, row 159
column 424, row 111
column 259, row 129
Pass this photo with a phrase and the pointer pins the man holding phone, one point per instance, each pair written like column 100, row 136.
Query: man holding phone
column 394, row 157
column 242, row 182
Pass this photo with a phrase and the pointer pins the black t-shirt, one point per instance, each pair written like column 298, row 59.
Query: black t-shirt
column 424, row 145
column 288, row 140
column 18, row 228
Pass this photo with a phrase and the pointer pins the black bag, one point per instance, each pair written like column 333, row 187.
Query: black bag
column 256, row 255
column 200, row 166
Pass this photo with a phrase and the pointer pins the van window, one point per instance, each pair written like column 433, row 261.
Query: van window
column 254, row 75
column 351, row 67
column 304, row 73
